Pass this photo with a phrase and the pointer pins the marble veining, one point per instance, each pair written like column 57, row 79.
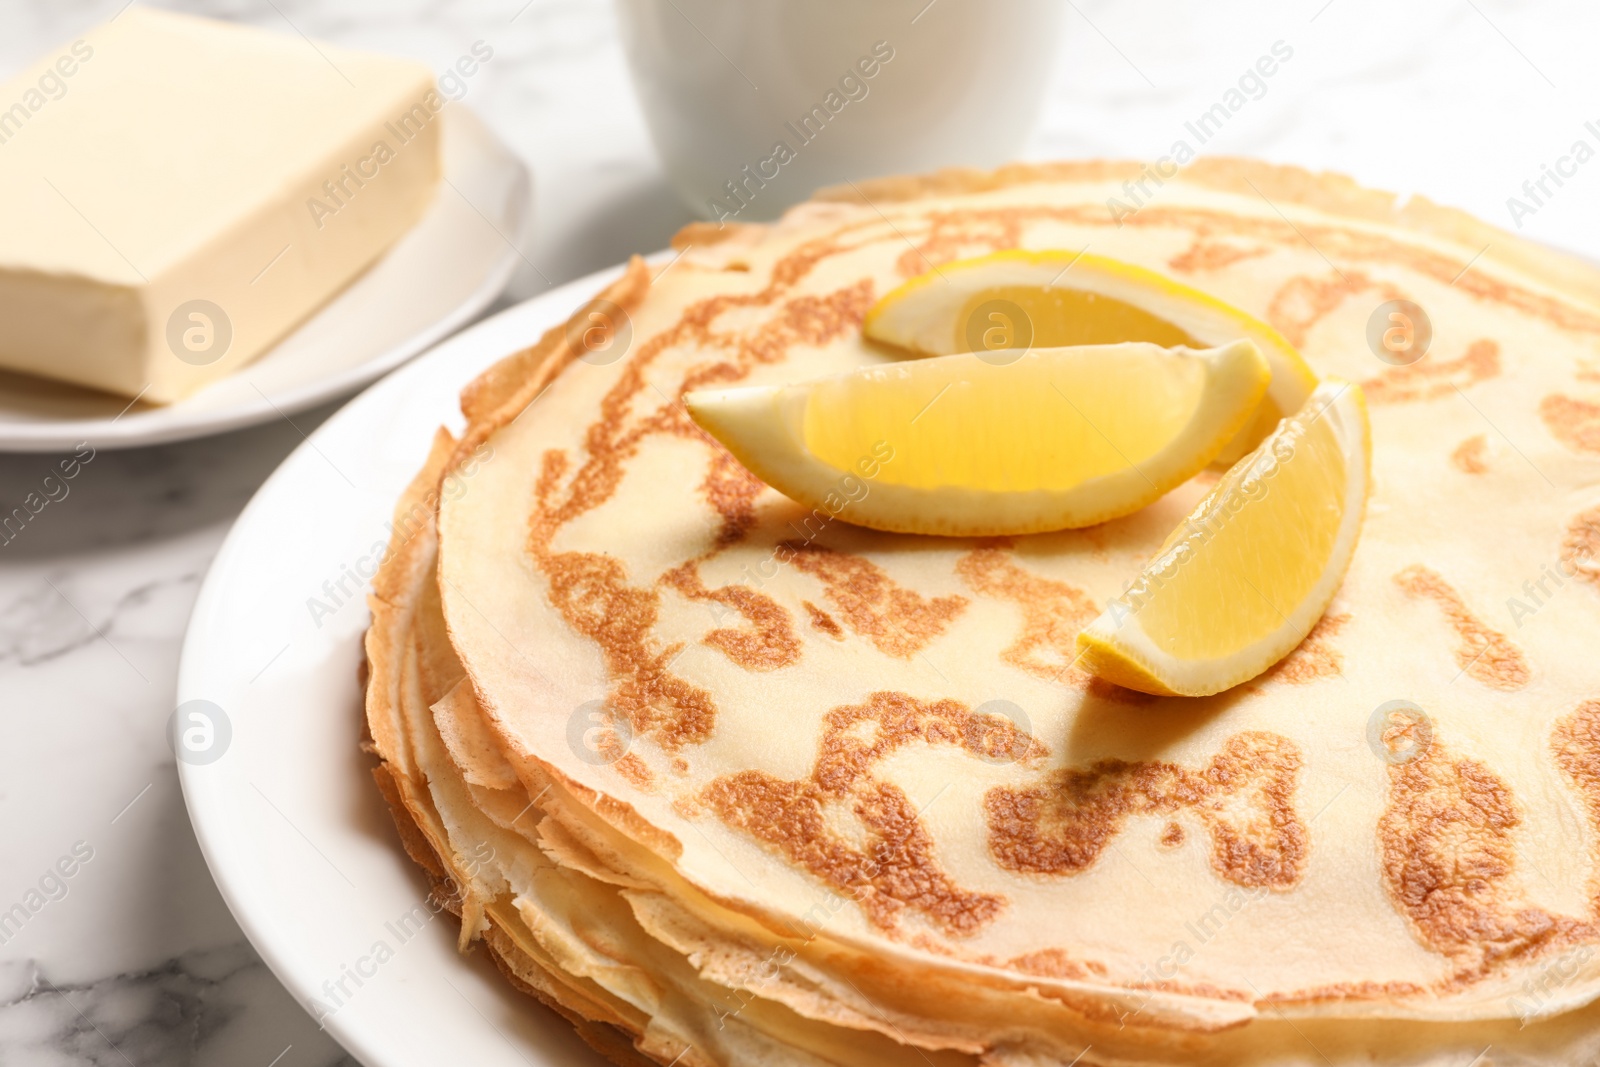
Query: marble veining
column 215, row 1005
column 134, row 959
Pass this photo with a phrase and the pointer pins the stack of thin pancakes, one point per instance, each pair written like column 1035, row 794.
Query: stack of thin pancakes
column 726, row 780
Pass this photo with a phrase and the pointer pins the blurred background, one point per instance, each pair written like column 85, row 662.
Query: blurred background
column 1465, row 100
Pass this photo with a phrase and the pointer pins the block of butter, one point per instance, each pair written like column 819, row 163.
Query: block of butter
column 178, row 194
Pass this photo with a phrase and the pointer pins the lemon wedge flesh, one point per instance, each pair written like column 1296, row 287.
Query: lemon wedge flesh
column 1022, row 299
column 964, row 446
column 1241, row 582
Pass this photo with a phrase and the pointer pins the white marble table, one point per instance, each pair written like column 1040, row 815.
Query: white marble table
column 139, row 962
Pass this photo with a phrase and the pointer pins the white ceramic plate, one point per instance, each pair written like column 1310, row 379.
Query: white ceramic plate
column 286, row 811
column 441, row 274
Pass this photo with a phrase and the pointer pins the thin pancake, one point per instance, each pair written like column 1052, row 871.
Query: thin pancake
column 747, row 713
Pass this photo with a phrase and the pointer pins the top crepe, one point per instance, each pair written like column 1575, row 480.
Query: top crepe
column 718, row 746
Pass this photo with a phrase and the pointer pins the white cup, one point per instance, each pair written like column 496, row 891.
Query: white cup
column 753, row 104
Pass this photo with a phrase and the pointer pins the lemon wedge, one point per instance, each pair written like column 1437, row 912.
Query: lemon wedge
column 1241, row 582
column 1021, row 299
column 1054, row 438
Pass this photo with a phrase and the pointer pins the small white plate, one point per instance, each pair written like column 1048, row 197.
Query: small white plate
column 286, row 811
column 441, row 274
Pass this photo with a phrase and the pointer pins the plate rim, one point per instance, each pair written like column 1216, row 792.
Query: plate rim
column 106, row 433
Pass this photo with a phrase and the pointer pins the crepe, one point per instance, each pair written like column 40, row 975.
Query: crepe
column 725, row 780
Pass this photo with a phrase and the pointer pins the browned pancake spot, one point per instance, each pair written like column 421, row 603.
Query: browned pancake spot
column 591, row 592
column 1050, row 963
column 898, row 622
column 1244, row 797
column 1576, row 745
column 1484, row 653
column 1052, row 611
column 635, row 771
column 1429, row 379
column 1315, row 657
column 732, row 491
column 957, row 235
column 896, row 868
column 821, row 620
column 1172, row 836
column 1580, row 548
column 1575, row 423
column 1305, row 300
column 1470, row 456
column 1205, row 254
column 767, row 644
column 809, row 320
column 1449, row 856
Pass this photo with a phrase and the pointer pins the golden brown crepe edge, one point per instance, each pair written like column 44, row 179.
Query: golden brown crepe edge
column 385, row 646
